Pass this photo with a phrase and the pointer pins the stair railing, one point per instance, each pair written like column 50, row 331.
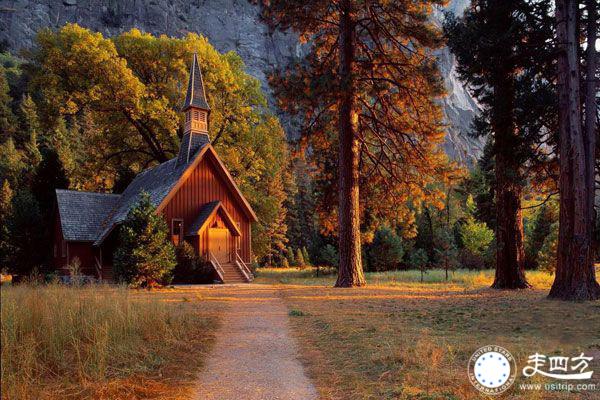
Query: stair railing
column 215, row 264
column 243, row 267
column 98, row 269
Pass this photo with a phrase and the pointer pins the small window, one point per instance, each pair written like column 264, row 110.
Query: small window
column 177, row 231
column 202, row 117
column 55, row 249
column 196, row 115
column 63, row 250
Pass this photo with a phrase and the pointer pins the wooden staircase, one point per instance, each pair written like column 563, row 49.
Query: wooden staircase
column 232, row 273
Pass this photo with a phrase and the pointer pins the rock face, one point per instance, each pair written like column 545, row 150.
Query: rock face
column 228, row 24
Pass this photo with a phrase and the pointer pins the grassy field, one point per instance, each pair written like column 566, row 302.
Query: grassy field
column 402, row 339
column 102, row 342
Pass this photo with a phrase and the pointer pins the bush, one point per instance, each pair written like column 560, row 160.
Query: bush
column 190, row 268
column 145, row 256
column 386, row 251
column 285, row 263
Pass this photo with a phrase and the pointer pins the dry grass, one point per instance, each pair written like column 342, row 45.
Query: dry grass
column 101, row 342
column 401, row 339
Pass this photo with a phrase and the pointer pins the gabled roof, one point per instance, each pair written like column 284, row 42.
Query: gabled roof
column 82, row 213
column 195, row 96
column 205, row 215
column 161, row 183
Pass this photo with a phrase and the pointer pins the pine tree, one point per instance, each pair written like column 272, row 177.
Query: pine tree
column 306, row 257
column 145, row 256
column 8, row 121
column 363, row 77
column 289, row 255
column 299, row 258
column 6, row 195
column 505, row 57
column 26, row 234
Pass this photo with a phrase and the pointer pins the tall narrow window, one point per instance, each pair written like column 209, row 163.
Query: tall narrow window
column 177, row 231
column 63, row 250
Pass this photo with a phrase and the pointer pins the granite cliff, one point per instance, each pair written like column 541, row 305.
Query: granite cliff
column 229, row 25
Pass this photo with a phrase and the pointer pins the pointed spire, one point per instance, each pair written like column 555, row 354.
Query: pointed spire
column 195, row 96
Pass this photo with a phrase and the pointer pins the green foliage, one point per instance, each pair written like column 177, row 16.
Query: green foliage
column 289, row 255
column 546, row 256
column 446, row 251
column 306, row 257
column 386, row 251
column 476, row 237
column 7, row 117
column 418, row 259
column 145, row 256
column 26, row 231
column 328, row 256
column 538, row 230
column 299, row 258
column 190, row 268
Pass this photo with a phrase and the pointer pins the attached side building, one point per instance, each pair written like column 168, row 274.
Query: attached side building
column 194, row 192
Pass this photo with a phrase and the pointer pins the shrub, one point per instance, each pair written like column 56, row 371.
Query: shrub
column 285, row 263
column 386, row 251
column 145, row 255
column 190, row 268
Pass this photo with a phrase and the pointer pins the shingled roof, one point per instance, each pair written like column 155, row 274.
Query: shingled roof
column 82, row 213
column 195, row 96
column 157, row 182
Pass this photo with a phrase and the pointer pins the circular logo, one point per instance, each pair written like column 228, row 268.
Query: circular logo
column 492, row 369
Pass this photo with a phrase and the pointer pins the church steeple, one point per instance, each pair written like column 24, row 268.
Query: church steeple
column 197, row 112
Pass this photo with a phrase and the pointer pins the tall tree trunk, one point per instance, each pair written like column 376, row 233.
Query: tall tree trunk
column 592, row 86
column 509, row 227
column 350, row 272
column 575, row 277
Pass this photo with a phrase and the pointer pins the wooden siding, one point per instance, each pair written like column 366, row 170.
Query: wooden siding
column 206, row 184
column 84, row 251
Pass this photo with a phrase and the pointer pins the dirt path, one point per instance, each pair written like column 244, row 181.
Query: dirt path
column 254, row 356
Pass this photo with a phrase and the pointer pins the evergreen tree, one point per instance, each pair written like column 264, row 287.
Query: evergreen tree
column 299, row 258
column 289, row 255
column 505, row 57
column 376, row 81
column 26, row 234
column 8, row 121
column 306, row 257
column 6, row 196
column 12, row 163
column 544, row 218
column 386, row 251
column 145, row 256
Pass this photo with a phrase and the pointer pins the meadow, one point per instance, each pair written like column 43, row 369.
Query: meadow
column 399, row 338
column 101, row 342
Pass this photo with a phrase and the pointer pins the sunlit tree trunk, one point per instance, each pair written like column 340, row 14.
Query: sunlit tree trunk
column 575, row 277
column 350, row 271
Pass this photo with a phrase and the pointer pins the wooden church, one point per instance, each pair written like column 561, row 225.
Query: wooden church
column 194, row 192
